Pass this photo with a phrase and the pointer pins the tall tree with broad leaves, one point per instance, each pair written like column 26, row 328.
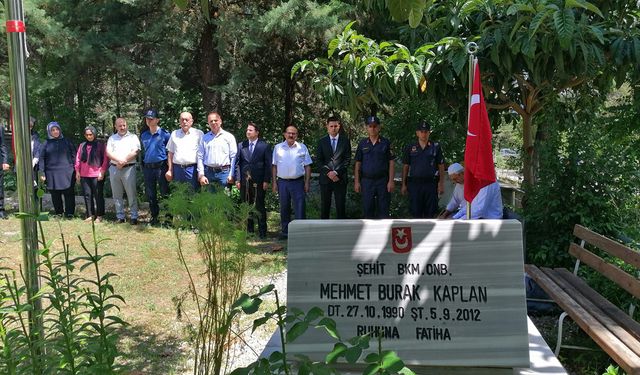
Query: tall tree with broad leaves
column 529, row 50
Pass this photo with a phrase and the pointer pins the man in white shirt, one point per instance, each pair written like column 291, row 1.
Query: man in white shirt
column 216, row 154
column 182, row 152
column 122, row 150
column 291, row 172
column 486, row 205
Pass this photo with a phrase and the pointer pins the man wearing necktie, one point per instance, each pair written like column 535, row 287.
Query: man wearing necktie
column 334, row 156
column 253, row 175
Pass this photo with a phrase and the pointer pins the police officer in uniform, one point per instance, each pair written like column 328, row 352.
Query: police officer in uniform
column 423, row 173
column 154, row 167
column 374, row 172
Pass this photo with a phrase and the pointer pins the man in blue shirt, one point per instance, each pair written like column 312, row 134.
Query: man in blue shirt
column 374, row 172
column 154, row 145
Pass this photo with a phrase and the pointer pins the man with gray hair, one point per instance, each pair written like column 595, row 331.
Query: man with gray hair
column 486, row 205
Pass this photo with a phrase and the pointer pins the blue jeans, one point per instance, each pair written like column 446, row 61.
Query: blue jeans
column 216, row 179
column 186, row 174
column 288, row 191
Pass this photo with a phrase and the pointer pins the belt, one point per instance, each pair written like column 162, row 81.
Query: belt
column 423, row 179
column 185, row 166
column 157, row 165
column 375, row 176
column 224, row 168
column 124, row 166
column 291, row 179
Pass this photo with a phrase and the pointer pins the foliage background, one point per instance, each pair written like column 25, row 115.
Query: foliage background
column 572, row 64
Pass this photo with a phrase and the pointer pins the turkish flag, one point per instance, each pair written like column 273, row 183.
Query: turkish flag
column 479, row 170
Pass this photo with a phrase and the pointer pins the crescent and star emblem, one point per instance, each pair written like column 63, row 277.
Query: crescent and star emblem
column 401, row 239
column 400, row 234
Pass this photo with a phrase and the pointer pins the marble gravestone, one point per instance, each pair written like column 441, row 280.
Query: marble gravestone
column 438, row 292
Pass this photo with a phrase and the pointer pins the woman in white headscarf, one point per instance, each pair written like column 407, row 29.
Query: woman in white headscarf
column 57, row 159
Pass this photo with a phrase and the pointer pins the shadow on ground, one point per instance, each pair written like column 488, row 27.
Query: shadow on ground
column 143, row 352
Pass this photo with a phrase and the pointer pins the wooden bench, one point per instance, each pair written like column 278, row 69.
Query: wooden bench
column 615, row 331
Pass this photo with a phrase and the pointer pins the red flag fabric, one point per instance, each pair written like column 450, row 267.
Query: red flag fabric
column 479, row 170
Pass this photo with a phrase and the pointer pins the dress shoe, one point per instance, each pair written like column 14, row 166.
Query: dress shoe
column 120, row 221
column 134, row 221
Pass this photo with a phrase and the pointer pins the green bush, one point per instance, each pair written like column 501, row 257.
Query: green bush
column 79, row 335
column 588, row 174
column 222, row 245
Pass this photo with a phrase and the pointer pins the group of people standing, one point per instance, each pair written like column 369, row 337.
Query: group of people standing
column 423, row 176
column 214, row 160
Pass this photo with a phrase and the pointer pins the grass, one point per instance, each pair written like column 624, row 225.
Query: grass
column 150, row 277
column 576, row 362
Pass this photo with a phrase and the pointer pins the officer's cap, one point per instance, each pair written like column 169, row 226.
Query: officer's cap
column 423, row 125
column 372, row 120
column 151, row 113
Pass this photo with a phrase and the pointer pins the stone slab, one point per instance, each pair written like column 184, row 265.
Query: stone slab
column 440, row 293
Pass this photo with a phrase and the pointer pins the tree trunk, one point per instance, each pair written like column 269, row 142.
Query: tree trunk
column 289, row 91
column 117, row 82
column 209, row 66
column 529, row 150
column 82, row 117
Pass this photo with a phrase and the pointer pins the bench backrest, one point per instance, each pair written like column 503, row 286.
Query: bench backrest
column 628, row 282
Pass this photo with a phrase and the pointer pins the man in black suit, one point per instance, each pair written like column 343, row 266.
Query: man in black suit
column 4, row 161
column 253, row 175
column 334, row 157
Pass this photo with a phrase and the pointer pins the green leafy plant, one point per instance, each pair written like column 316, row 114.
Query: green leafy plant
column 293, row 323
column 222, row 245
column 80, row 325
column 611, row 370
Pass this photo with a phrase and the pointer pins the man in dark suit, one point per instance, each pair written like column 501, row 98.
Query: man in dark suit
column 334, row 156
column 4, row 161
column 253, row 175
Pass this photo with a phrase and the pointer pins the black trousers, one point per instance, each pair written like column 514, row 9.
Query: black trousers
column 1, row 189
column 423, row 199
column 253, row 193
column 92, row 190
column 154, row 177
column 69, row 208
column 339, row 192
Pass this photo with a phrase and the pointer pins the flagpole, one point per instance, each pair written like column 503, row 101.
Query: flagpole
column 471, row 48
column 17, row 48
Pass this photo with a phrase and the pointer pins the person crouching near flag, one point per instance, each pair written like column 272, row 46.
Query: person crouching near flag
column 486, row 205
